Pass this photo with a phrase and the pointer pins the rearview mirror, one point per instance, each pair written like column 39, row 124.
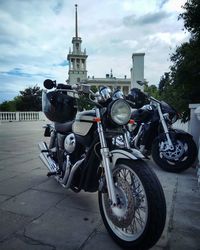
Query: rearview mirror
column 142, row 83
column 49, row 84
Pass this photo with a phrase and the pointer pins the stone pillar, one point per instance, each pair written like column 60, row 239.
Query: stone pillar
column 194, row 123
column 194, row 129
column 17, row 116
column 69, row 64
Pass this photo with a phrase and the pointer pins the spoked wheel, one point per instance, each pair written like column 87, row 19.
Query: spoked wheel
column 180, row 158
column 139, row 218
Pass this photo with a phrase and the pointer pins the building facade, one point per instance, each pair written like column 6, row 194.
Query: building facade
column 78, row 70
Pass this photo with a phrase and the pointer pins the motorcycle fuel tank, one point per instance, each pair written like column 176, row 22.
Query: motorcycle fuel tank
column 83, row 122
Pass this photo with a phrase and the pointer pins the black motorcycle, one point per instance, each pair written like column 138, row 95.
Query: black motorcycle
column 173, row 150
column 82, row 156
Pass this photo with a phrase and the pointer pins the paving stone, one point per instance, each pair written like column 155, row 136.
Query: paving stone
column 72, row 221
column 19, row 184
column 101, row 240
column 25, row 244
column 4, row 197
column 83, row 200
column 184, row 240
column 10, row 223
column 51, row 185
column 31, row 203
column 7, row 174
column 66, row 229
column 97, row 242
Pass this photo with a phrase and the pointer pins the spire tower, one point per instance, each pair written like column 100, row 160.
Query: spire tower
column 77, row 58
column 76, row 20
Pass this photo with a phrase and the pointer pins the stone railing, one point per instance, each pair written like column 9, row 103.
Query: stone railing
column 22, row 116
column 194, row 129
column 180, row 125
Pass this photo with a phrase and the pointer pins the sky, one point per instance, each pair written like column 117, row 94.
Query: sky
column 35, row 36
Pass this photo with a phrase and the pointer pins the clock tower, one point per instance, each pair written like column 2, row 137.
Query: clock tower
column 77, row 57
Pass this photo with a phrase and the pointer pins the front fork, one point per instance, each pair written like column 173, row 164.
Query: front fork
column 165, row 128
column 106, row 161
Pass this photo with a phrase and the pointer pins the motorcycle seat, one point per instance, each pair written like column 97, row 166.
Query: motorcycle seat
column 63, row 127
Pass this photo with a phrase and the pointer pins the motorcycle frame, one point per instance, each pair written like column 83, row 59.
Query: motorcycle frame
column 163, row 123
column 91, row 167
column 89, row 178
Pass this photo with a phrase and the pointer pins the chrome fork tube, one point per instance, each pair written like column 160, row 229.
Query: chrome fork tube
column 106, row 162
column 165, row 126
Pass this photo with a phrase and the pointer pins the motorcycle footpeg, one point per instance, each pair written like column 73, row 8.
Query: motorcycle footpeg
column 44, row 151
column 51, row 174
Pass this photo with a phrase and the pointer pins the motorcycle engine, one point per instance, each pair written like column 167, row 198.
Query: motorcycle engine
column 70, row 143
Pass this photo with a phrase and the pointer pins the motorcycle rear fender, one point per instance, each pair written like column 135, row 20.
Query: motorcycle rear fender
column 132, row 154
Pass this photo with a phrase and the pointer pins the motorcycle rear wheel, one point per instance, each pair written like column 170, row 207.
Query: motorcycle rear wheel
column 139, row 219
column 178, row 160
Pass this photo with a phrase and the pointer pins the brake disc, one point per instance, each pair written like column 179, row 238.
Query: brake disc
column 122, row 214
column 174, row 154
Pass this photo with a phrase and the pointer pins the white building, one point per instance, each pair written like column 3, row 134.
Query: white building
column 78, row 70
column 137, row 72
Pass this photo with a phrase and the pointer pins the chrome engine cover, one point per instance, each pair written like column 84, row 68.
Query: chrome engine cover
column 70, row 143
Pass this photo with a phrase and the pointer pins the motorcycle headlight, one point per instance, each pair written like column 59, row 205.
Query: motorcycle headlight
column 120, row 112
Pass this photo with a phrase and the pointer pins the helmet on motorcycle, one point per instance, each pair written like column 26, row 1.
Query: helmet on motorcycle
column 137, row 98
column 58, row 107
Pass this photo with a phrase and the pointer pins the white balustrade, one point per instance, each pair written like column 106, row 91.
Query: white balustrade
column 21, row 116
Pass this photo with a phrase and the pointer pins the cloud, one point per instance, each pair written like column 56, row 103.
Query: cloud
column 35, row 37
column 147, row 19
column 162, row 3
column 57, row 7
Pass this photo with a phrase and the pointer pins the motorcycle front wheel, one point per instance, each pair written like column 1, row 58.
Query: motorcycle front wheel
column 138, row 220
column 180, row 158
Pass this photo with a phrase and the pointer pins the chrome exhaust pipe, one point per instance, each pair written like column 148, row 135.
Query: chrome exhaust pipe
column 45, row 158
column 136, row 138
column 73, row 170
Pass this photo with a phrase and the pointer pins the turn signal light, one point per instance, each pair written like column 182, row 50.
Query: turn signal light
column 131, row 121
column 97, row 119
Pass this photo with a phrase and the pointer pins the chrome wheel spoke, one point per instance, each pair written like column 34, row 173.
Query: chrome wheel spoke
column 134, row 220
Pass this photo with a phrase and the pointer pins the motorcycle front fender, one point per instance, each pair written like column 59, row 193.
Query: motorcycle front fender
column 174, row 134
column 179, row 131
column 132, row 154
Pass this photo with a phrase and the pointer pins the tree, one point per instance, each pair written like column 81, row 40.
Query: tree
column 182, row 85
column 164, row 82
column 186, row 75
column 191, row 18
column 152, row 90
column 29, row 99
column 8, row 106
column 83, row 103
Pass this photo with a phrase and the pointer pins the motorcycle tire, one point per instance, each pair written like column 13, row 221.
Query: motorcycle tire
column 185, row 151
column 139, row 221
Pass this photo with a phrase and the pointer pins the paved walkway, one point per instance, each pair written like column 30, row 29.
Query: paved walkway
column 36, row 213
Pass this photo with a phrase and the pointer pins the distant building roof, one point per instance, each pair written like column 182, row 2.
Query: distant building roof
column 108, row 80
